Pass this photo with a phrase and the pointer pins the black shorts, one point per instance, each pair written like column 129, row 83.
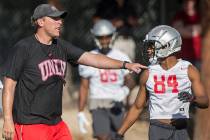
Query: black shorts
column 107, row 121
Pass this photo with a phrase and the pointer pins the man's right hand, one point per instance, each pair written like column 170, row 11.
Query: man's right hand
column 135, row 67
column 83, row 122
column 8, row 130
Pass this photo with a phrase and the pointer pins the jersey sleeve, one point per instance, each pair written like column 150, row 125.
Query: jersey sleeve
column 15, row 62
column 85, row 71
column 73, row 52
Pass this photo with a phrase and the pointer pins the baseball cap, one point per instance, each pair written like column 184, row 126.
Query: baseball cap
column 43, row 10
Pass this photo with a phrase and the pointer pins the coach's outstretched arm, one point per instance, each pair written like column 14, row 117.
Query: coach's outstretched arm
column 102, row 61
column 8, row 98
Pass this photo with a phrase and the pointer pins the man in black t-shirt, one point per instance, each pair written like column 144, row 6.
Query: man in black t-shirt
column 34, row 78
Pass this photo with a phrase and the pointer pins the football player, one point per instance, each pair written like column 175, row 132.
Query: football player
column 171, row 85
column 108, row 87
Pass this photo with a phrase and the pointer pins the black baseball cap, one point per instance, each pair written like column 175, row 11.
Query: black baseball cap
column 43, row 10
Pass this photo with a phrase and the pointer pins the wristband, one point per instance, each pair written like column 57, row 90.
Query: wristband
column 124, row 63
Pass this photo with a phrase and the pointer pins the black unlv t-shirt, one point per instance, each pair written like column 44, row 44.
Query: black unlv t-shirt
column 39, row 71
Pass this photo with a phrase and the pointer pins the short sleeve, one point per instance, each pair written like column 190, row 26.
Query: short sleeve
column 85, row 71
column 15, row 62
column 73, row 52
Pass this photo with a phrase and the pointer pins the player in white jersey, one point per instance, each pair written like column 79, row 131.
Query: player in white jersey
column 167, row 84
column 108, row 88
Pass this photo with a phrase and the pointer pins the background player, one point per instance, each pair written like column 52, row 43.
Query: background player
column 167, row 83
column 108, row 88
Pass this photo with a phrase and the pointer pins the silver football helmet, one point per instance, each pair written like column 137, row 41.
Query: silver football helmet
column 103, row 28
column 164, row 40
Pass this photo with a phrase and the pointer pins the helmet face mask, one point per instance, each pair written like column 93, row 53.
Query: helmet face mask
column 149, row 52
column 103, row 29
column 165, row 41
column 104, row 40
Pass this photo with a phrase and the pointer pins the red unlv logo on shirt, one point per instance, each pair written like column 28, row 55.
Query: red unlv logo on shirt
column 52, row 67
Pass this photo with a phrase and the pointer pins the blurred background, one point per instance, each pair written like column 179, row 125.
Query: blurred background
column 133, row 19
column 15, row 20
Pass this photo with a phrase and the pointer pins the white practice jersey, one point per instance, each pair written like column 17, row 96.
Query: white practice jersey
column 163, row 87
column 106, row 83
